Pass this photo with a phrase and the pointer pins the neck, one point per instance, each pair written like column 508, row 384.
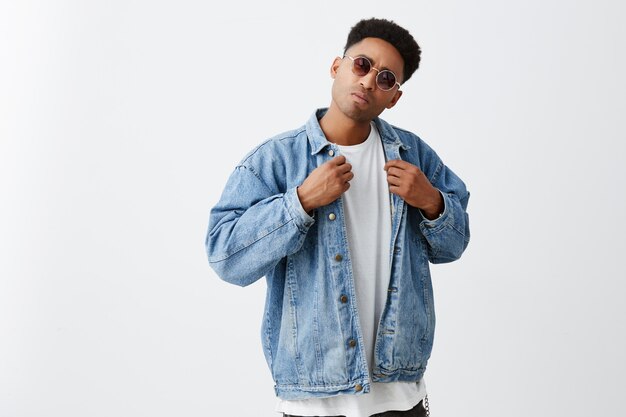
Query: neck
column 340, row 129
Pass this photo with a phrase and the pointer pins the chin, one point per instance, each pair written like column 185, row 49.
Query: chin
column 358, row 115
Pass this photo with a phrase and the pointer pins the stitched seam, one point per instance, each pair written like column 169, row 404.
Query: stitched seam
column 234, row 252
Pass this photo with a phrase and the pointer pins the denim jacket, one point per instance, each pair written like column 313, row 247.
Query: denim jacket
column 310, row 332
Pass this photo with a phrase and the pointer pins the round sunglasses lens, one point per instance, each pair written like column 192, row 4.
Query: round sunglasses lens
column 386, row 80
column 361, row 66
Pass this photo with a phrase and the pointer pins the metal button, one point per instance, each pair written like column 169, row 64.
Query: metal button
column 358, row 387
column 352, row 343
column 331, row 153
column 338, row 257
column 332, row 216
column 344, row 299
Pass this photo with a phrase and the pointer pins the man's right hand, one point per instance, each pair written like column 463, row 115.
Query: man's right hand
column 325, row 184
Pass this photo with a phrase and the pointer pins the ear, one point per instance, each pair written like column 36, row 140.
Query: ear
column 395, row 99
column 335, row 67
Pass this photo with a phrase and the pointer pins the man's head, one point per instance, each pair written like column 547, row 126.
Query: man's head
column 377, row 54
column 396, row 35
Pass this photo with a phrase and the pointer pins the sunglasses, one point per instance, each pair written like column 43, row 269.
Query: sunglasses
column 385, row 79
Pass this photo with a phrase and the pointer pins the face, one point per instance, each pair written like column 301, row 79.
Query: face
column 358, row 97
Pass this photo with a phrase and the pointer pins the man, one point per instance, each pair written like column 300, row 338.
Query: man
column 342, row 216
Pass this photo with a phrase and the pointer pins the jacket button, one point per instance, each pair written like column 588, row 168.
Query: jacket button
column 338, row 257
column 332, row 216
column 344, row 299
column 352, row 343
column 331, row 153
column 358, row 387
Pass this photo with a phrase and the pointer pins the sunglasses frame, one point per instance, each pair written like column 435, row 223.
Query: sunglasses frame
column 373, row 68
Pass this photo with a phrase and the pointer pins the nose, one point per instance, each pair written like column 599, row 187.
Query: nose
column 368, row 81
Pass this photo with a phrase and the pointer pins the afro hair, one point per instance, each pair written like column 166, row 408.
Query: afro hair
column 391, row 32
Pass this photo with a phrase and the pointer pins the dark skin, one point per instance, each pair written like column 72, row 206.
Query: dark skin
column 356, row 101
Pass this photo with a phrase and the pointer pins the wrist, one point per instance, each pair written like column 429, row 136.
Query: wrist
column 435, row 209
column 304, row 202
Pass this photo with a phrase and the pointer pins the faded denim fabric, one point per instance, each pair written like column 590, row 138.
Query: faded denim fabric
column 258, row 228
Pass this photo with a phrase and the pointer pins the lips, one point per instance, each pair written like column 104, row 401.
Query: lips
column 360, row 97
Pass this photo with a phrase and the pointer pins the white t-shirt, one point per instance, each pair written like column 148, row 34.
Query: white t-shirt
column 368, row 222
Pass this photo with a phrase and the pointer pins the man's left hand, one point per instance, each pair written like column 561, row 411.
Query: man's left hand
column 409, row 182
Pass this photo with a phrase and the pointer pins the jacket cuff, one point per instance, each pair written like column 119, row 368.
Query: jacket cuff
column 427, row 225
column 301, row 218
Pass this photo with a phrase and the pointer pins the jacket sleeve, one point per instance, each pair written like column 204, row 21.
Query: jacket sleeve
column 252, row 228
column 449, row 234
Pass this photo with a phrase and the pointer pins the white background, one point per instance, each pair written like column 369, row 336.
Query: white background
column 120, row 122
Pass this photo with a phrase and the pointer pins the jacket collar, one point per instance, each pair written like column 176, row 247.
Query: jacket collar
column 318, row 140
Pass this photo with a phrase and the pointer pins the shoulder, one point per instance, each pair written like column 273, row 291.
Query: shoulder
column 275, row 160
column 282, row 144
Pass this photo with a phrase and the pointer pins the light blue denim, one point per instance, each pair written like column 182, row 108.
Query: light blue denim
column 310, row 325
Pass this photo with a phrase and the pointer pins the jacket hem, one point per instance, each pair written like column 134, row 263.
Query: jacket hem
column 299, row 392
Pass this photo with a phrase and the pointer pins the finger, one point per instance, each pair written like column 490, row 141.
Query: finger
column 401, row 165
column 394, row 189
column 348, row 176
column 398, row 163
column 347, row 167
column 394, row 171
column 338, row 160
column 393, row 181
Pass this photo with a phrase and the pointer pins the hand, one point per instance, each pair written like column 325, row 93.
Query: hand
column 325, row 183
column 409, row 182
